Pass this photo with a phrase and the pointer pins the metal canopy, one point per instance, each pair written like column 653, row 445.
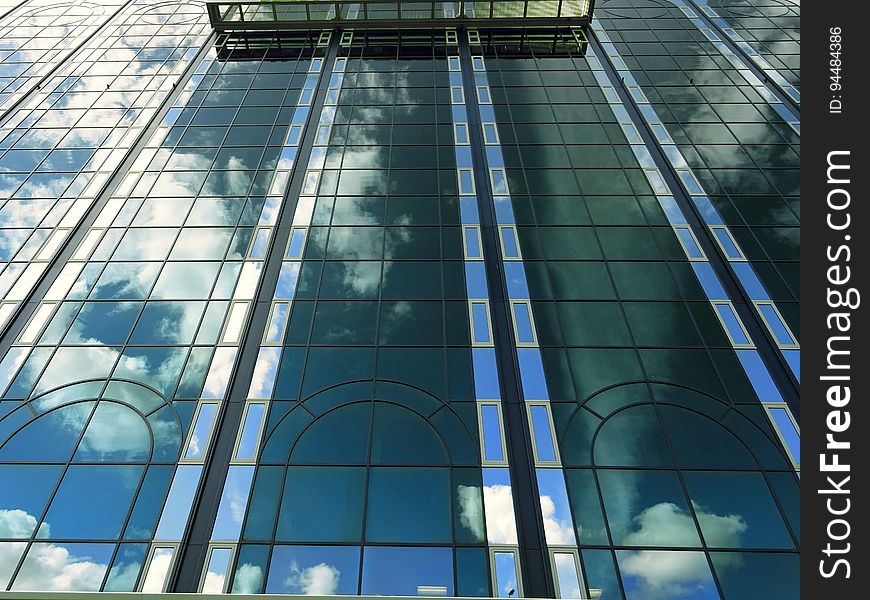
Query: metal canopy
column 252, row 15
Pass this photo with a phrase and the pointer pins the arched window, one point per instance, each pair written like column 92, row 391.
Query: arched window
column 681, row 485
column 384, row 477
column 82, row 467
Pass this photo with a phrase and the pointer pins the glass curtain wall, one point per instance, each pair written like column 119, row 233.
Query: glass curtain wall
column 371, row 456
column 765, row 29
column 743, row 154
column 61, row 146
column 369, row 476
column 668, row 455
column 126, row 364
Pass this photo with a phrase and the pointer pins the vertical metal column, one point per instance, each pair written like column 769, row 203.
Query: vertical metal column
column 535, row 562
column 194, row 546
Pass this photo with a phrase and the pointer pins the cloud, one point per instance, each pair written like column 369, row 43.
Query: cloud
column 248, row 579
column 75, row 364
column 265, row 371
column 349, row 244
column 321, row 579
column 666, row 573
column 671, row 574
column 471, row 510
column 19, row 524
column 155, row 579
column 10, row 554
column 501, row 526
column 127, row 280
column 557, row 532
column 219, row 372
column 362, row 279
column 122, row 577
column 666, row 524
column 720, row 531
column 214, row 583
column 48, row 567
column 116, row 429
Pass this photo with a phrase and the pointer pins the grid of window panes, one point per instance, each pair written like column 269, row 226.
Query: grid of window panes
column 552, row 492
column 227, row 526
column 739, row 148
column 41, row 34
column 60, row 148
column 129, row 373
column 769, row 27
column 668, row 455
column 369, row 477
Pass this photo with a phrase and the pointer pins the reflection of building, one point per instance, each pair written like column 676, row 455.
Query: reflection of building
column 441, row 299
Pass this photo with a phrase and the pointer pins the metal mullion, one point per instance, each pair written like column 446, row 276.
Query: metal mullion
column 368, row 466
column 13, row 9
column 582, row 574
column 193, row 554
column 532, row 548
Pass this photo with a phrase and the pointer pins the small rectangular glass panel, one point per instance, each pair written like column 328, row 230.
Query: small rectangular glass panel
column 492, row 438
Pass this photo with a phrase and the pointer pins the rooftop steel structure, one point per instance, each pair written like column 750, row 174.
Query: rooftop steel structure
column 251, row 15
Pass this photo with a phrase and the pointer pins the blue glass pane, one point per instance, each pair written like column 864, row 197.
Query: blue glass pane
column 492, row 445
column 525, row 334
column 732, row 323
column 553, row 496
column 149, row 502
column 691, row 246
column 727, row 243
column 125, row 568
column 313, row 570
column 651, row 574
column 788, row 432
column 228, row 522
column 709, row 281
column 390, row 571
column 24, row 492
column 63, row 426
column 780, row 332
column 543, row 436
column 485, row 374
column 92, row 502
column 480, row 321
column 250, row 429
column 115, row 433
column 758, row 375
column 177, row 508
column 506, row 575
column 532, row 374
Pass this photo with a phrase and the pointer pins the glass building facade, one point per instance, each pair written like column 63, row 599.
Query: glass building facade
column 474, row 299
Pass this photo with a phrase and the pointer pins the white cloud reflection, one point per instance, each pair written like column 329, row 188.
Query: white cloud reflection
column 501, row 527
column 664, row 574
column 248, row 579
column 471, row 509
column 48, row 567
column 320, row 579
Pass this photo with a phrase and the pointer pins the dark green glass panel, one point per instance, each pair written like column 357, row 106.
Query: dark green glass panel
column 322, row 504
column 409, row 505
column 338, row 437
